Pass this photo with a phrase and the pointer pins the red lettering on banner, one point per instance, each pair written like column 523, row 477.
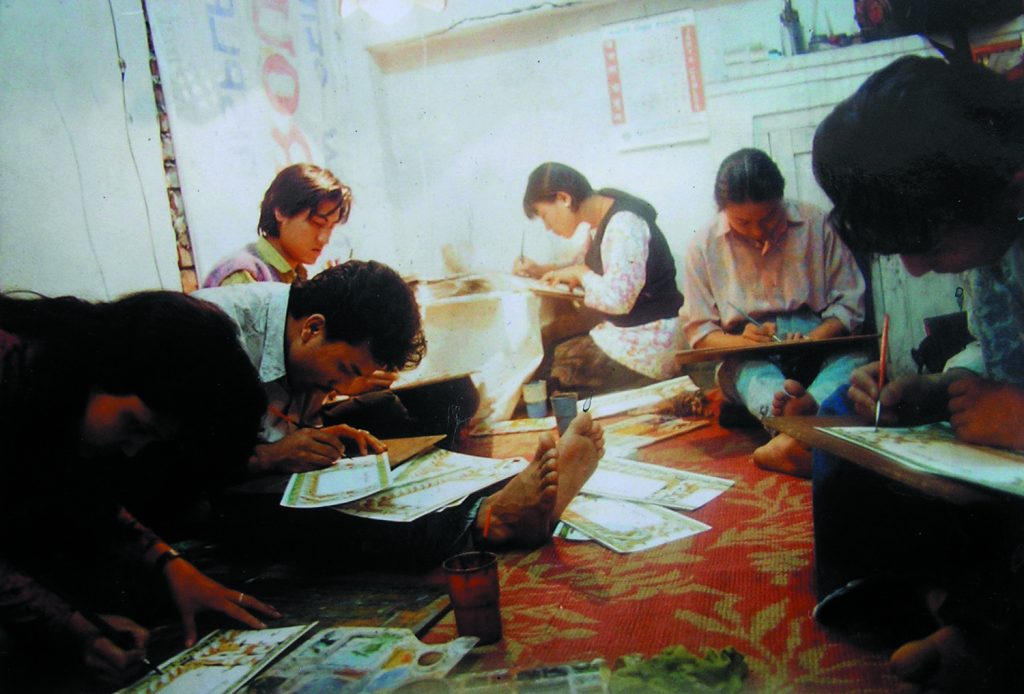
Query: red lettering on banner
column 277, row 66
column 614, row 77
column 280, row 7
column 693, row 76
column 281, row 80
column 287, row 140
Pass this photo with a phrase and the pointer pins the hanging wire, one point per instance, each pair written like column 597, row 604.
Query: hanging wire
column 122, row 65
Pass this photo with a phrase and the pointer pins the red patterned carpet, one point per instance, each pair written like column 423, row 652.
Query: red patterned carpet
column 746, row 583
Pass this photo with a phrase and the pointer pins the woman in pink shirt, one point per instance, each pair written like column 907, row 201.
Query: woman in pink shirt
column 778, row 262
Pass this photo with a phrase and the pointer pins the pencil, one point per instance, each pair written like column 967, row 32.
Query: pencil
column 121, row 639
column 884, row 348
column 281, row 415
column 747, row 317
column 291, row 420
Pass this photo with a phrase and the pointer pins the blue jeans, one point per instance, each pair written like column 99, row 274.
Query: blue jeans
column 754, row 382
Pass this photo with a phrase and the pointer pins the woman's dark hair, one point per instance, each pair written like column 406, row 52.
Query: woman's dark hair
column 365, row 302
column 748, row 175
column 550, row 179
column 180, row 355
column 301, row 187
column 920, row 146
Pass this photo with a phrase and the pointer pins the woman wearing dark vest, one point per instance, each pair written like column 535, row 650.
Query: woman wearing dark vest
column 627, row 273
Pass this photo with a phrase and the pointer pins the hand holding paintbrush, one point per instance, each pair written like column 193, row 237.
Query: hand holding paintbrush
column 756, row 323
column 882, row 358
column 128, row 640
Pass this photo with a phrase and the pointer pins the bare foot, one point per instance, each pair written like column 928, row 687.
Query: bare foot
column 944, row 660
column 784, row 454
column 524, row 512
column 793, row 400
column 580, row 449
column 520, row 513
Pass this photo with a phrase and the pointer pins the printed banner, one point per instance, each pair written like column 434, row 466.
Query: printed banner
column 248, row 87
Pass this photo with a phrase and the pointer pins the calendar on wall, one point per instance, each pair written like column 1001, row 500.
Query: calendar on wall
column 655, row 86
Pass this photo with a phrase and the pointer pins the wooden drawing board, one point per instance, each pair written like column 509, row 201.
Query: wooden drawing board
column 557, row 291
column 416, row 382
column 401, row 450
column 692, row 356
column 805, row 430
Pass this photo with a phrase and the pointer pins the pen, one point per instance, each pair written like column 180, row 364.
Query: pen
column 121, row 639
column 884, row 348
column 747, row 317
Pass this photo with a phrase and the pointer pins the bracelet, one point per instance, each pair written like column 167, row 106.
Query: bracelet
column 164, row 559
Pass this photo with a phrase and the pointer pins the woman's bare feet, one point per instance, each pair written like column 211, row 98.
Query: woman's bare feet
column 793, row 400
column 784, row 454
column 580, row 449
column 524, row 512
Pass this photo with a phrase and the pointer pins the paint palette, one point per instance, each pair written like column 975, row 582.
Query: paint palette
column 361, row 659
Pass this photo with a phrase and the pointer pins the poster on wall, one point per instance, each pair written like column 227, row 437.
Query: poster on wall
column 249, row 89
column 655, row 86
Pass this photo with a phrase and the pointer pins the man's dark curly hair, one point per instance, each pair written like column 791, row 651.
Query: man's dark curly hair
column 920, row 146
column 365, row 302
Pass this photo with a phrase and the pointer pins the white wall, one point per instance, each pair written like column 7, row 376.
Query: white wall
column 83, row 207
column 465, row 114
column 440, row 117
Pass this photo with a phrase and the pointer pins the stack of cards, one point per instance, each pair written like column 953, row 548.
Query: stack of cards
column 626, row 505
column 347, row 480
column 366, row 486
column 431, row 482
column 626, row 436
column 221, row 663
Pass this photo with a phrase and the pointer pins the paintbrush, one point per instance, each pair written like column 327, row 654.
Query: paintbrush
column 121, row 639
column 756, row 323
column 883, row 348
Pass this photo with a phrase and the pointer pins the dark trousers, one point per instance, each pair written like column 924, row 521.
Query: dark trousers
column 579, row 365
column 866, row 525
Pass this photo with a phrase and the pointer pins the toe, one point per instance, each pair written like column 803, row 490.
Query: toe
column 545, row 443
column 793, row 388
column 580, row 425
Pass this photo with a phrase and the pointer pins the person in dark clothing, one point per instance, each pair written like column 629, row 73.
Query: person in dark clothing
column 80, row 381
column 335, row 333
column 926, row 160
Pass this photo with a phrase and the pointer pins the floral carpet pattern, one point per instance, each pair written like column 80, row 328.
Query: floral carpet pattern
column 746, row 583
